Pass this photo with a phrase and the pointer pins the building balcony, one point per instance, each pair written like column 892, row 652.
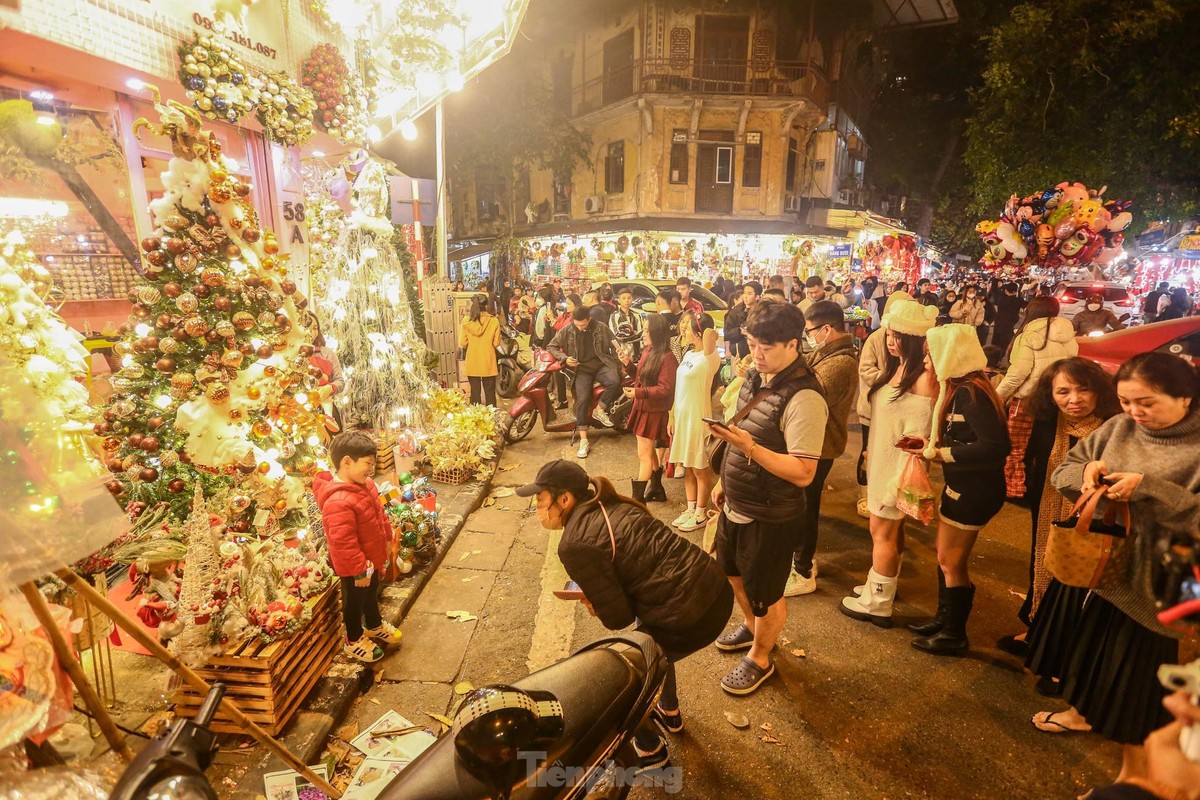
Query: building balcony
column 784, row 80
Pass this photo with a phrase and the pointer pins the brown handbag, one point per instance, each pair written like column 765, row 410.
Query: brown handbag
column 716, row 447
column 1077, row 554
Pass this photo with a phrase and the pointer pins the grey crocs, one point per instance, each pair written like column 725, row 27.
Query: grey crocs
column 740, row 638
column 746, row 677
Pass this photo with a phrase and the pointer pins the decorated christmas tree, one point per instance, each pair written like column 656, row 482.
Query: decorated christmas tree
column 369, row 322
column 214, row 385
column 40, row 345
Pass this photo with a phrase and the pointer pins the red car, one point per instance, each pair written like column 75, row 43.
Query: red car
column 1177, row 336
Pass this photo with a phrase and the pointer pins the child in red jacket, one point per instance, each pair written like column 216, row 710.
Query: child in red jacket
column 357, row 532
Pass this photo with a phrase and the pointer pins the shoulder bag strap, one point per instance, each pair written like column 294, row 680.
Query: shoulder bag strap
column 745, row 410
column 611, row 536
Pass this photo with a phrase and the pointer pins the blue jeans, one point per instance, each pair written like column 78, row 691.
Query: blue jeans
column 584, row 382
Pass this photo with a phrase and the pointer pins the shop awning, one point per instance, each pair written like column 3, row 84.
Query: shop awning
column 693, row 225
column 914, row 13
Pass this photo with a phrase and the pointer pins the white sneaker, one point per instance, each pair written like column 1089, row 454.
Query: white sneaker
column 585, row 447
column 601, row 416
column 683, row 518
column 797, row 584
column 698, row 520
column 862, row 509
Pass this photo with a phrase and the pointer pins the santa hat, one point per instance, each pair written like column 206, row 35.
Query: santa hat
column 911, row 318
column 954, row 351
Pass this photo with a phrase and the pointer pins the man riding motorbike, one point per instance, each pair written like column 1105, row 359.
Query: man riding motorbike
column 587, row 346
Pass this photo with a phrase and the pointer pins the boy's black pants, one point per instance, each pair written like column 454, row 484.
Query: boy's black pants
column 359, row 603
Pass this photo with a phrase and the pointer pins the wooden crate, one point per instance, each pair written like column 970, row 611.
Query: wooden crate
column 269, row 681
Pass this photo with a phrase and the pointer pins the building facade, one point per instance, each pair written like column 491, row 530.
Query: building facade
column 698, row 121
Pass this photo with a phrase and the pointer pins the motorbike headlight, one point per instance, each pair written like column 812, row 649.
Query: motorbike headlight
column 182, row 787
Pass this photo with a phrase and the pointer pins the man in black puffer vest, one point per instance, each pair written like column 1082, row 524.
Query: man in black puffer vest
column 771, row 456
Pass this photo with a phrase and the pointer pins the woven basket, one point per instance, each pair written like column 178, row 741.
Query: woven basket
column 453, row 476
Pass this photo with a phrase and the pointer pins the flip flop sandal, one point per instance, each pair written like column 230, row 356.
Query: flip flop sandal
column 740, row 638
column 746, row 677
column 1044, row 721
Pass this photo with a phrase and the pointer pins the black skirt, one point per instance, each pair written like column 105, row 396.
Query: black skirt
column 1111, row 673
column 1052, row 632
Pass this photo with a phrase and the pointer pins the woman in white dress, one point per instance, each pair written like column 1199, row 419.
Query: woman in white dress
column 693, row 402
column 901, row 406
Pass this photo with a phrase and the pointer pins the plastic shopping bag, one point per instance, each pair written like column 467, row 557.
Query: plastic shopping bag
column 916, row 497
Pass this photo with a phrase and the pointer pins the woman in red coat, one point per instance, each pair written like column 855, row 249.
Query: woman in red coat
column 653, row 391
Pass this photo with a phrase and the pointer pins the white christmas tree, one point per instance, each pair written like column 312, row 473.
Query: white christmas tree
column 42, row 347
column 368, row 319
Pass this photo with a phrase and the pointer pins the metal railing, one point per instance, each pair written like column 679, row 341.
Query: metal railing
column 701, row 76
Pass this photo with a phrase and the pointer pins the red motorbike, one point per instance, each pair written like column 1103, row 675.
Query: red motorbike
column 534, row 401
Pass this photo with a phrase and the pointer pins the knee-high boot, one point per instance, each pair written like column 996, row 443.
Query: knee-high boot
column 951, row 640
column 931, row 626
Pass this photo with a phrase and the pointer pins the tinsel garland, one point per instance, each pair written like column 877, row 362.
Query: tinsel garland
column 415, row 43
column 464, row 440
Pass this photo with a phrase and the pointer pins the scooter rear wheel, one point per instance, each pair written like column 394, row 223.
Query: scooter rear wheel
column 508, row 384
column 520, row 426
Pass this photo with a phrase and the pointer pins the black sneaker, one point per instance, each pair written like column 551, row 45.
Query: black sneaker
column 667, row 723
column 654, row 759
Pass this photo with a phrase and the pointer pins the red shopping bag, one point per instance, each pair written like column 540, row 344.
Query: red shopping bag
column 915, row 496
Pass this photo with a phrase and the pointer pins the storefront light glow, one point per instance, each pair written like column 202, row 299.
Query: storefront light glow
column 135, row 84
column 408, row 130
column 28, row 207
column 42, row 94
column 374, row 134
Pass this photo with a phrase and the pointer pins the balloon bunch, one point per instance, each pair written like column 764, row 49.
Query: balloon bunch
column 1066, row 225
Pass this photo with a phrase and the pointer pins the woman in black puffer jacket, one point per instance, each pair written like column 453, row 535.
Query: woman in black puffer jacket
column 631, row 568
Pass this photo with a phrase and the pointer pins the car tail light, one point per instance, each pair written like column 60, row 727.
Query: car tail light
column 1067, row 300
column 1126, row 303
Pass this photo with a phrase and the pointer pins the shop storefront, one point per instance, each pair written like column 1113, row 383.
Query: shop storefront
column 76, row 180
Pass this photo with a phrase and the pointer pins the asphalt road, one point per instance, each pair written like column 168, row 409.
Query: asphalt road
column 862, row 714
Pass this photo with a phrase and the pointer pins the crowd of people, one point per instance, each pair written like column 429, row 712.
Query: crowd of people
column 983, row 382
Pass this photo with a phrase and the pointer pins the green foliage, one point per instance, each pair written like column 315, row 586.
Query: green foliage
column 1099, row 91
column 409, row 265
column 510, row 120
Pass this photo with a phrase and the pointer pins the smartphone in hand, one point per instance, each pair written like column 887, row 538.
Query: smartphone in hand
column 715, row 422
column 570, row 591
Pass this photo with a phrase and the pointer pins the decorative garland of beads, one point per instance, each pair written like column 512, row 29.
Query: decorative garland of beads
column 286, row 110
column 221, row 87
column 341, row 99
column 215, row 80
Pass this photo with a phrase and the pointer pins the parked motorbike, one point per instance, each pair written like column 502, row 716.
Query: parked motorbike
column 172, row 766
column 534, row 401
column 562, row 733
column 513, row 359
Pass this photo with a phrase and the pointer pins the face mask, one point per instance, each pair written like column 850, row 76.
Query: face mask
column 1093, row 307
column 810, row 342
column 970, row 295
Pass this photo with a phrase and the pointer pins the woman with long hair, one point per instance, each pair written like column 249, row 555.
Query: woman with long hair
column 480, row 333
column 969, row 437
column 1044, row 338
column 1073, row 398
column 652, row 392
column 692, row 403
column 331, row 382
column 901, row 402
column 1145, row 457
column 630, row 568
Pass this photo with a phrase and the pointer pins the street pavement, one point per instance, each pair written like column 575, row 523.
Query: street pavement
column 861, row 714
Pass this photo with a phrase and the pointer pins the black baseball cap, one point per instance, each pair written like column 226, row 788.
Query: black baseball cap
column 559, row 476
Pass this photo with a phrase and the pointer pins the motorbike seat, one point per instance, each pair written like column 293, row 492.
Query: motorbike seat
column 598, row 689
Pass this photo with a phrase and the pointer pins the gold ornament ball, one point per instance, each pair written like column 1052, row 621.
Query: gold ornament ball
column 261, row 429
column 149, row 295
column 243, row 320
column 225, row 328
column 254, row 393
column 168, row 345
column 183, row 381
column 267, row 319
column 232, row 359
column 187, row 302
column 195, row 326
column 212, row 277
column 186, row 262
